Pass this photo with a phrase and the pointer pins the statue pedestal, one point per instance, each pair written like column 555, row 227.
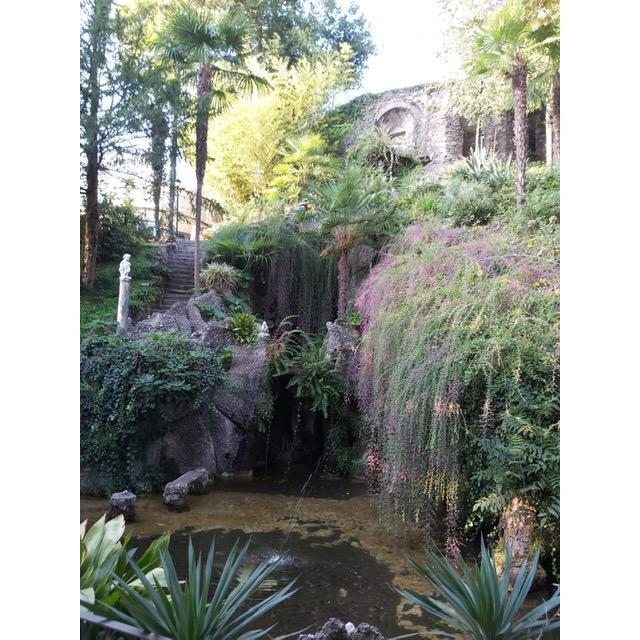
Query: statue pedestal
column 123, row 307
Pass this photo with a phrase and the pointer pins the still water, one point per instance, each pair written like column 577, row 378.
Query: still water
column 333, row 538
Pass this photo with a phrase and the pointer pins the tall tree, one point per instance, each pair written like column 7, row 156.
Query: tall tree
column 107, row 95
column 502, row 46
column 297, row 29
column 216, row 45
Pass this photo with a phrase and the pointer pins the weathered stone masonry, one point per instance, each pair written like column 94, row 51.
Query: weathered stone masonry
column 422, row 125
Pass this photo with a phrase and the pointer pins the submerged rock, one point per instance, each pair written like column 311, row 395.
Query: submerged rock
column 335, row 629
column 175, row 492
column 122, row 503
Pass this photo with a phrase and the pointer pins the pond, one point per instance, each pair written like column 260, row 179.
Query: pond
column 333, row 538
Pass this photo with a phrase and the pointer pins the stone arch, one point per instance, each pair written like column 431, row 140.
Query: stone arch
column 400, row 120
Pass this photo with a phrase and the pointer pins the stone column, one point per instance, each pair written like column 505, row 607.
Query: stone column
column 123, row 296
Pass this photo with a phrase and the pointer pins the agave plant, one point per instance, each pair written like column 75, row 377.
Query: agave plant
column 184, row 611
column 104, row 557
column 480, row 604
column 220, row 276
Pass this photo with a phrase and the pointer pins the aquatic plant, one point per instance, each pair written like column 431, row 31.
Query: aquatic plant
column 185, row 611
column 480, row 604
column 460, row 336
column 219, row 276
column 103, row 557
column 243, row 327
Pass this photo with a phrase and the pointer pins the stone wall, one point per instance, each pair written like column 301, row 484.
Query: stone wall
column 423, row 126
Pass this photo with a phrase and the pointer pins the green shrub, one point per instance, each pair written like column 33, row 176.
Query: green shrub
column 220, row 276
column 185, row 611
column 480, row 604
column 132, row 391
column 243, row 327
column 469, row 203
column 543, row 194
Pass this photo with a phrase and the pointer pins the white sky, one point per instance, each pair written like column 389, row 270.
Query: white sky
column 408, row 37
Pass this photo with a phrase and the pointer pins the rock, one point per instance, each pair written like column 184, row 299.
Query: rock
column 122, row 503
column 334, row 629
column 175, row 492
column 247, row 385
column 366, row 631
column 174, row 319
column 340, row 345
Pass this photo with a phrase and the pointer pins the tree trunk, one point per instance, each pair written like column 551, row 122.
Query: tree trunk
column 518, row 522
column 202, row 128
column 92, row 219
column 548, row 135
column 173, row 159
column 157, row 191
column 520, row 128
column 555, row 121
column 343, row 272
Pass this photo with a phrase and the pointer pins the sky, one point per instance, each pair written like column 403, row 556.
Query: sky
column 408, row 36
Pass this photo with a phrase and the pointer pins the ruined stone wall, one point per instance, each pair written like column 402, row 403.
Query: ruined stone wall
column 423, row 125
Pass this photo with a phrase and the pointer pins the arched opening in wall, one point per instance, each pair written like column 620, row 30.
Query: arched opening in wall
column 399, row 123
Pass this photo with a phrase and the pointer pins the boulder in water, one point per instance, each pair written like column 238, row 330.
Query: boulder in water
column 175, row 492
column 122, row 503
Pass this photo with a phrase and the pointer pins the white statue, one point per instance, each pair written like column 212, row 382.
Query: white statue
column 264, row 331
column 125, row 267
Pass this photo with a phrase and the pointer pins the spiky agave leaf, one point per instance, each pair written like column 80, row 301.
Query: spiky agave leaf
column 480, row 604
column 184, row 611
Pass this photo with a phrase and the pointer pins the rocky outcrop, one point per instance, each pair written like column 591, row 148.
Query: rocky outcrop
column 340, row 345
column 192, row 482
column 335, row 629
column 122, row 503
column 210, row 438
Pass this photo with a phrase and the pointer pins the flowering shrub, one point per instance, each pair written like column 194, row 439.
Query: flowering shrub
column 460, row 332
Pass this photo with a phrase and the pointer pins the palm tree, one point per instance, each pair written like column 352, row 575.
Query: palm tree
column 216, row 45
column 351, row 211
column 503, row 46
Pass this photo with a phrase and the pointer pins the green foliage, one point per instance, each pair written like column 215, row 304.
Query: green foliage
column 234, row 303
column 103, row 557
column 208, row 313
column 485, row 163
column 375, row 149
column 226, row 357
column 122, row 231
column 481, row 605
column 243, row 327
column 219, row 276
column 306, row 160
column 290, row 277
column 313, row 375
column 460, row 337
column 185, row 611
column 543, row 189
column 250, row 138
column 471, row 202
column 132, row 391
column 521, row 459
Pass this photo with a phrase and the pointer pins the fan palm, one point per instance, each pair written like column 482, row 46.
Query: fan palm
column 347, row 218
column 185, row 611
column 482, row 605
column 216, row 45
column 503, row 46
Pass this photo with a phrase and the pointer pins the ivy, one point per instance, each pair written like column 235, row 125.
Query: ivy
column 133, row 391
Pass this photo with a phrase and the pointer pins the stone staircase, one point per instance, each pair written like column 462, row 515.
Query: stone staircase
column 180, row 285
